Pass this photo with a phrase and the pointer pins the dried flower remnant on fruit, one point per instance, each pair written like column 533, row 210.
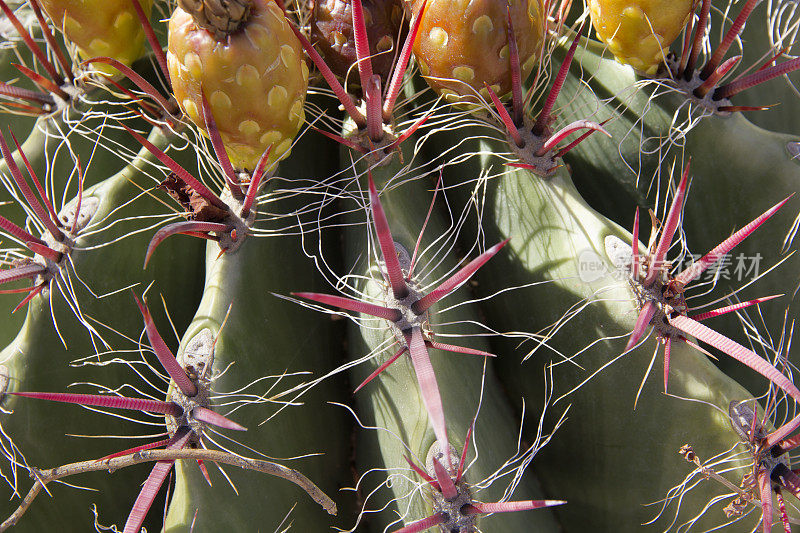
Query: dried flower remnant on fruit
column 196, row 206
column 220, row 18
column 463, row 47
column 639, row 32
column 660, row 294
column 210, row 217
column 454, row 509
column 333, row 34
column 255, row 80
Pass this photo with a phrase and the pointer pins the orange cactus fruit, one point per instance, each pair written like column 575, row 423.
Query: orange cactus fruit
column 252, row 73
column 101, row 28
column 463, row 44
column 639, row 32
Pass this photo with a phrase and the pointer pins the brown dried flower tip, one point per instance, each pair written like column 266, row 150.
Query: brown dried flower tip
column 196, row 207
column 219, row 17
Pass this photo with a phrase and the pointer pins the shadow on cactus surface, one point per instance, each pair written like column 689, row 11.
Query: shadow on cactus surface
column 381, row 156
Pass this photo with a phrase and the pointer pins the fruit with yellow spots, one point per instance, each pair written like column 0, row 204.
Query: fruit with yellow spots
column 639, row 32
column 254, row 77
column 463, row 44
column 101, row 28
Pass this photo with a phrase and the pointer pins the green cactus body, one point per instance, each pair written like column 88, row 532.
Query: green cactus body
column 746, row 162
column 260, row 338
column 239, row 280
column 548, row 294
column 393, row 400
column 642, row 123
column 101, row 28
column 733, row 162
column 36, row 360
column 639, row 33
column 608, row 459
column 464, row 45
column 635, row 126
column 55, row 141
column 255, row 81
column 51, row 149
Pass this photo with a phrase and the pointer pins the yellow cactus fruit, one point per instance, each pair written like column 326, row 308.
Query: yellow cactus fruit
column 463, row 44
column 639, row 32
column 101, row 28
column 255, row 80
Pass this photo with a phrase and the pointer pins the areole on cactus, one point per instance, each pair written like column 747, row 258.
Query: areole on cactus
column 432, row 188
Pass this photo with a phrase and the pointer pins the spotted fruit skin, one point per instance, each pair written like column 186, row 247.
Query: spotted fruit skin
column 101, row 28
column 463, row 44
column 332, row 33
column 255, row 81
column 639, row 32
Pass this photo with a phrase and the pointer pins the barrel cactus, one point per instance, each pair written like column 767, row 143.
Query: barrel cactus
column 422, row 259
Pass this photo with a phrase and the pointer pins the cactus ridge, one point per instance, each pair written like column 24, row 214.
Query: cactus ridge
column 187, row 417
column 511, row 199
column 74, row 324
column 406, row 309
column 459, row 396
column 52, row 252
